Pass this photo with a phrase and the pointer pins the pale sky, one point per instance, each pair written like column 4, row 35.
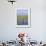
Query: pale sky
column 22, row 12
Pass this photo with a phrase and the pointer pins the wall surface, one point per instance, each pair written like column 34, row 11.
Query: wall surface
column 8, row 31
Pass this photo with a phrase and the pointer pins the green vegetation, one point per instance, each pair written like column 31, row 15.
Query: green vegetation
column 22, row 17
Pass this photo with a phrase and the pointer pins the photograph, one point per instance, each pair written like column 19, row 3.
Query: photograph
column 22, row 22
column 23, row 17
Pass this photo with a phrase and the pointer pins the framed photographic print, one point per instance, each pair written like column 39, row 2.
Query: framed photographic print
column 23, row 17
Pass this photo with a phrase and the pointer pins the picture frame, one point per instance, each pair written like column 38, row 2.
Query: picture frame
column 23, row 17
